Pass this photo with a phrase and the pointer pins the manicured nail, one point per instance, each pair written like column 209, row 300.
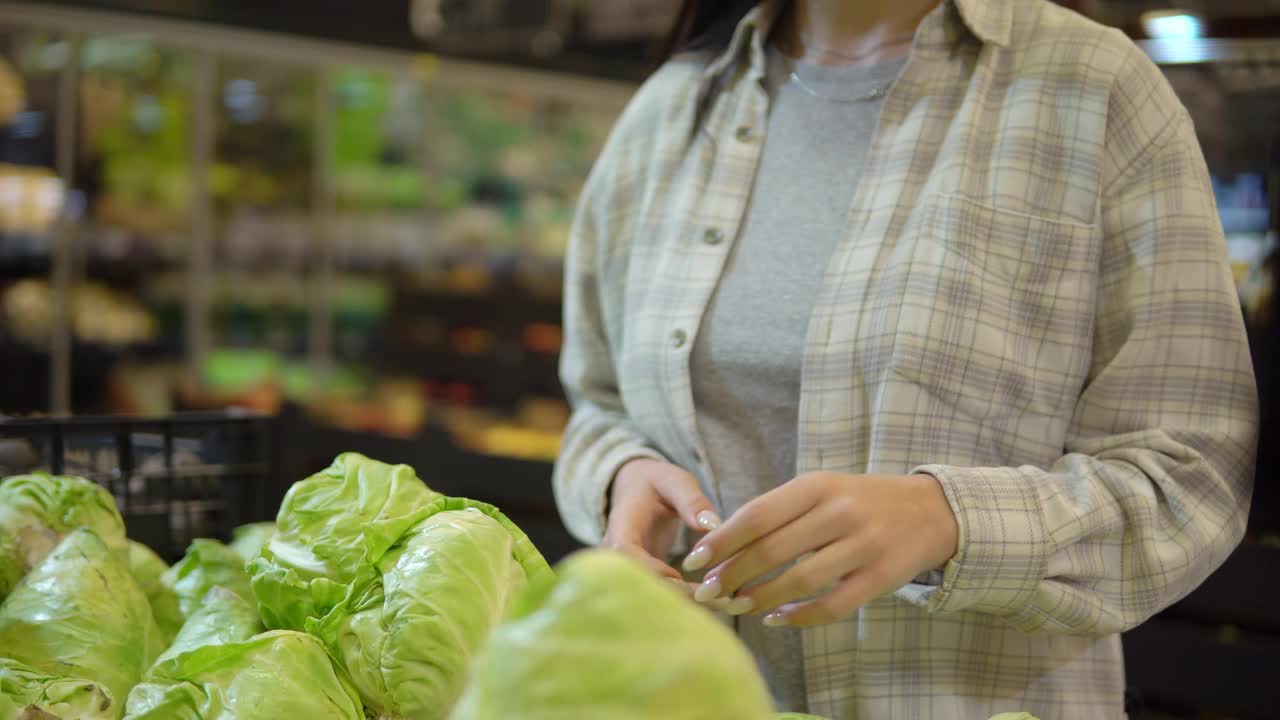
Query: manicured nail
column 775, row 619
column 740, row 605
column 708, row 520
column 718, row 604
column 682, row 585
column 709, row 590
column 698, row 559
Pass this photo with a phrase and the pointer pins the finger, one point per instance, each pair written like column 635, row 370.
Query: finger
column 843, row 600
column 809, row 532
column 752, row 521
column 685, row 588
column 637, row 553
column 811, row 576
column 680, row 491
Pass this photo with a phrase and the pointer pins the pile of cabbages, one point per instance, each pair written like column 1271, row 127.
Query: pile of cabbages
column 371, row 596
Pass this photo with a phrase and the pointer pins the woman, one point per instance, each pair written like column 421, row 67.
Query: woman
column 930, row 303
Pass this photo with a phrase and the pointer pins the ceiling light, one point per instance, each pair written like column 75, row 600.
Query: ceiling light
column 1172, row 25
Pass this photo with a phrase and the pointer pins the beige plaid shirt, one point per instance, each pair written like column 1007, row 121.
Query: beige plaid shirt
column 1031, row 302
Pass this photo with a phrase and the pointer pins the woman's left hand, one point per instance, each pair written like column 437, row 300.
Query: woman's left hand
column 857, row 536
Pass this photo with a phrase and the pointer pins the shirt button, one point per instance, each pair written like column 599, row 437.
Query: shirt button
column 744, row 133
column 712, row 236
column 679, row 338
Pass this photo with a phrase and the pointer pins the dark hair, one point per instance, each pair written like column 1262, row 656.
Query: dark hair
column 704, row 25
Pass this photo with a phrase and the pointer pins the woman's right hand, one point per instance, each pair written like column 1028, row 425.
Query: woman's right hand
column 648, row 501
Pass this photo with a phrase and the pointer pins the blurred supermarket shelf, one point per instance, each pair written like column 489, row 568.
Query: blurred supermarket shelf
column 291, row 48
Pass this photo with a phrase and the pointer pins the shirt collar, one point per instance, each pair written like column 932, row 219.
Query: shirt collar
column 991, row 21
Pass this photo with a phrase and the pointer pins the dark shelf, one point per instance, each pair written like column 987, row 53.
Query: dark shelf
column 90, row 370
column 446, row 365
column 509, row 305
column 124, row 272
column 384, row 24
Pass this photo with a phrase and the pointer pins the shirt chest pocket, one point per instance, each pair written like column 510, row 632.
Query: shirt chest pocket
column 996, row 317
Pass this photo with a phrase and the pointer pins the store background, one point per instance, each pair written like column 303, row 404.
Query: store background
column 354, row 220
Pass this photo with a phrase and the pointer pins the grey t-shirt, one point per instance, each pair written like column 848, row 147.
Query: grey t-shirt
column 746, row 361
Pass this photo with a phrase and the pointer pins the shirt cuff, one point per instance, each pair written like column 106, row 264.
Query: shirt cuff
column 605, row 472
column 1002, row 551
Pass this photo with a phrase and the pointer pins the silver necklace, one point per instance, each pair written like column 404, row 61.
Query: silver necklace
column 874, row 93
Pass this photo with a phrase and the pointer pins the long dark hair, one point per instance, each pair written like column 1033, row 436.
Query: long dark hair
column 704, row 25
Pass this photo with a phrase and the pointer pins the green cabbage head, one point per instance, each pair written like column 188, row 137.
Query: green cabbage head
column 332, row 530
column 207, row 564
column 81, row 614
column 12, row 568
column 38, row 510
column 609, row 640
column 444, row 587
column 274, row 675
column 222, row 618
column 29, row 694
column 148, row 569
column 247, row 540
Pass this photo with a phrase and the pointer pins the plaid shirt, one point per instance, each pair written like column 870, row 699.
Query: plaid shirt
column 1030, row 301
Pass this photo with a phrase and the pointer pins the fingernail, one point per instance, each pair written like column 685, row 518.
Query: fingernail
column 718, row 603
column 682, row 585
column 740, row 605
column 698, row 559
column 708, row 520
column 775, row 619
column 708, row 590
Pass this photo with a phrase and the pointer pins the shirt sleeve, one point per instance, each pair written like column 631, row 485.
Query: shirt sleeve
column 1153, row 490
column 600, row 437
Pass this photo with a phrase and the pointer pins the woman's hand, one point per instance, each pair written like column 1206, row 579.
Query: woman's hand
column 857, row 536
column 647, row 502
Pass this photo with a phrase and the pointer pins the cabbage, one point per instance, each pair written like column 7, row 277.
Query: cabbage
column 278, row 674
column 38, row 510
column 208, row 563
column 219, row 666
column 28, row 694
column 247, row 540
column 331, row 530
column 11, row 568
column 223, row 617
column 607, row 639
column 148, row 569
column 444, row 587
column 401, row 583
column 80, row 613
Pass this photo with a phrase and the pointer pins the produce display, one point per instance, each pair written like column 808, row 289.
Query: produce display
column 99, row 314
column 371, row 597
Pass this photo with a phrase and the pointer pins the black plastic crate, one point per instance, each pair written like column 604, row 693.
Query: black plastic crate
column 174, row 478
